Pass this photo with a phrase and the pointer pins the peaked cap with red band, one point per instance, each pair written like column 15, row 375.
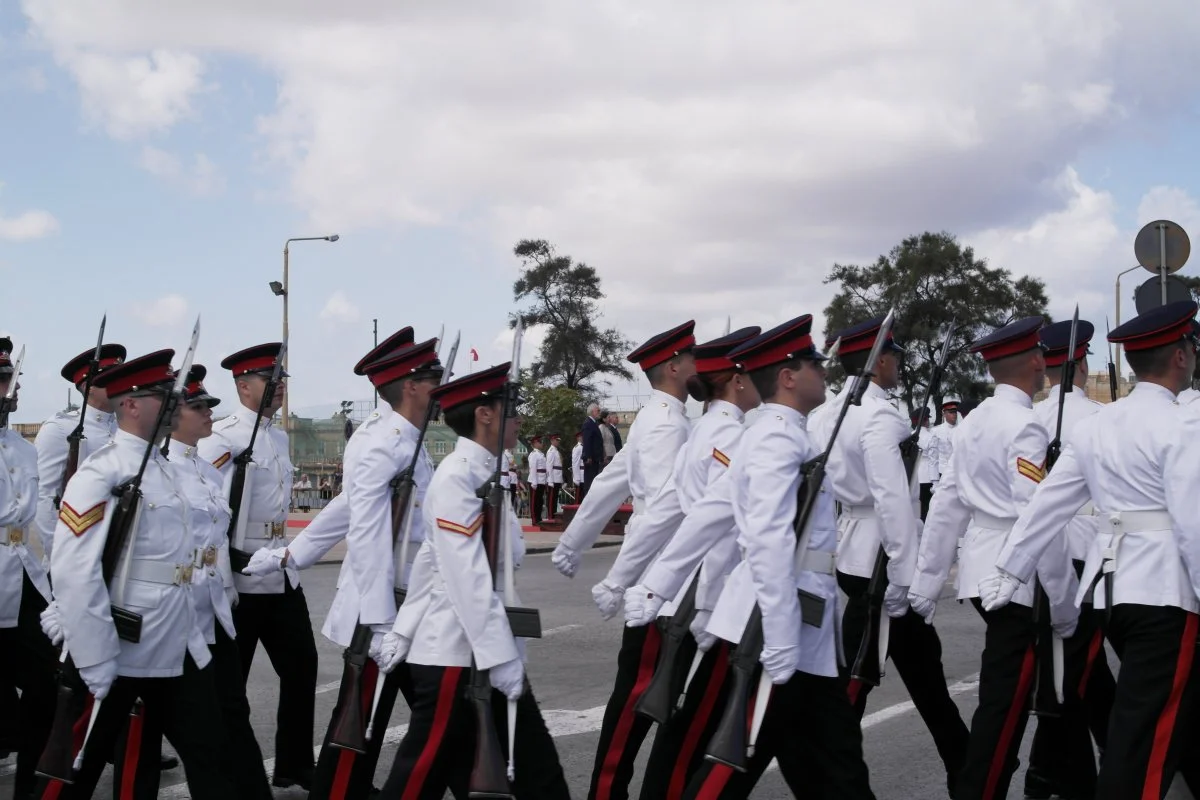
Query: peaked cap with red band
column 401, row 338
column 786, row 342
column 861, row 337
column 713, row 356
column 145, row 374
column 949, row 404
column 75, row 371
column 1016, row 337
column 664, row 346
column 419, row 360
column 1056, row 339
column 6, row 346
column 258, row 359
column 1157, row 327
column 486, row 385
column 194, row 391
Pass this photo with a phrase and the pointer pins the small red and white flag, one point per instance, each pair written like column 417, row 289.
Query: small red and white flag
column 474, row 354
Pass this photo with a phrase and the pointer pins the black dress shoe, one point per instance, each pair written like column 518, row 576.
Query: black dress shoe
column 166, row 762
column 303, row 779
column 1039, row 786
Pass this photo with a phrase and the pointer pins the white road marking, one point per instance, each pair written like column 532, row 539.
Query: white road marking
column 328, row 687
column 560, row 629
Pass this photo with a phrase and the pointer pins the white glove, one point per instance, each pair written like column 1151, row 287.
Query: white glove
column 704, row 639
column 997, row 590
column 393, row 650
column 99, row 677
column 52, row 623
column 641, row 606
column 780, row 663
column 1065, row 628
column 375, row 649
column 608, row 597
column 231, row 594
column 895, row 600
column 565, row 560
column 1063, row 619
column 265, row 561
column 923, row 606
column 509, row 678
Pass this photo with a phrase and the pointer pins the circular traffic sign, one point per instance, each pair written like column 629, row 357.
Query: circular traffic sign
column 1147, row 247
column 1149, row 295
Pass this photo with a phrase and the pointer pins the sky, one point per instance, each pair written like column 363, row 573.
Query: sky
column 709, row 159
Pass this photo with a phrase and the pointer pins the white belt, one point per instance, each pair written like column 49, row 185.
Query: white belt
column 639, row 506
column 271, row 532
column 818, row 561
column 858, row 512
column 1087, row 511
column 988, row 522
column 1120, row 523
column 141, row 569
column 13, row 537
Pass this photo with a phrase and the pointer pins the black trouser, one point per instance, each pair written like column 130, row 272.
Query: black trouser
column 344, row 774
column 537, row 494
column 185, row 708
column 811, row 731
column 926, row 496
column 439, row 748
column 590, row 471
column 678, row 751
column 555, row 488
column 623, row 729
column 916, row 652
column 281, row 623
column 28, row 663
column 1155, row 704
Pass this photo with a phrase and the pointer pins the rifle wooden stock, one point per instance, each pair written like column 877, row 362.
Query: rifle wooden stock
column 128, row 623
column 72, row 466
column 1043, row 702
column 868, row 658
column 238, row 559
column 349, row 729
column 658, row 701
column 489, row 776
column 729, row 740
column 58, row 756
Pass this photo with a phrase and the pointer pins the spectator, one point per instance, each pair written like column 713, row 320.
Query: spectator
column 606, row 435
column 593, row 449
column 612, row 421
column 304, row 493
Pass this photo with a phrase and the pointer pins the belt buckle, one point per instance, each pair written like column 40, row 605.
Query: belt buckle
column 16, row 536
column 276, row 530
column 210, row 555
column 183, row 574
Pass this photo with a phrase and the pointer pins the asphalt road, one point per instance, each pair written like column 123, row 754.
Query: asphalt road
column 572, row 668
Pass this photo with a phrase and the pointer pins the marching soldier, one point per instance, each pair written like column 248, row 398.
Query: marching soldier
column 28, row 662
column 943, row 433
column 168, row 666
column 271, row 609
column 554, row 469
column 640, row 469
column 465, row 623
column 867, row 476
column 537, row 480
column 1135, row 461
column 995, row 468
column 796, row 594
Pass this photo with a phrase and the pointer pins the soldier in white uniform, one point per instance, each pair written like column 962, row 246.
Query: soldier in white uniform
column 577, row 467
column 538, row 482
column 1061, row 759
column 554, row 472
column 465, row 621
column 996, row 466
column 797, row 600
column 641, row 469
column 99, row 425
column 28, row 662
column 943, row 434
column 379, row 451
column 1135, row 460
column 879, row 507
column 927, row 467
column 168, row 668
column 272, row 608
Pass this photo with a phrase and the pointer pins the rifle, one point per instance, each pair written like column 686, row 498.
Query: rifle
column 1112, row 368
column 728, row 745
column 872, row 649
column 75, row 437
column 6, row 401
column 73, row 699
column 239, row 559
column 659, row 699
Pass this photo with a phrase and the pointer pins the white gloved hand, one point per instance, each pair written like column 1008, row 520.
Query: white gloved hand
column 997, row 590
column 52, row 623
column 704, row 639
column 1063, row 619
column 99, row 677
column 565, row 560
column 895, row 600
column 608, row 597
column 509, row 678
column 641, row 606
column 780, row 663
column 393, row 650
column 265, row 561
column 923, row 606
column 231, row 594
column 375, row 649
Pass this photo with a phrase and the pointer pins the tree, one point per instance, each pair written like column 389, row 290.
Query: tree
column 563, row 296
column 547, row 410
column 930, row 279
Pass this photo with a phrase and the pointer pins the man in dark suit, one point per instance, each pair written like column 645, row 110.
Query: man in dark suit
column 593, row 448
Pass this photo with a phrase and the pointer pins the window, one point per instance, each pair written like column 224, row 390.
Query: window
column 439, row 448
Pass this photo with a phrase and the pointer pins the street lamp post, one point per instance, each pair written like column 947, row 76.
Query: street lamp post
column 1118, row 303
column 281, row 290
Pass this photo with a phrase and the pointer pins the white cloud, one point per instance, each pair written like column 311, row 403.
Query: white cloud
column 27, row 225
column 339, row 309
column 162, row 312
column 201, row 178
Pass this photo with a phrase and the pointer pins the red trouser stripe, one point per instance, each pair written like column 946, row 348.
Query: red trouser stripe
column 53, row 787
column 1152, row 789
column 1024, row 682
column 699, row 722
column 133, row 746
column 1094, row 647
column 616, row 747
column 852, row 690
column 441, row 719
column 345, row 765
column 714, row 784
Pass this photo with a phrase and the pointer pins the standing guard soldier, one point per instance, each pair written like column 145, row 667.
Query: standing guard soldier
column 943, row 433
column 1135, row 460
column 867, row 476
column 995, row 468
column 640, row 469
column 28, row 660
column 537, row 480
column 577, row 467
column 271, row 608
column 554, row 471
column 927, row 467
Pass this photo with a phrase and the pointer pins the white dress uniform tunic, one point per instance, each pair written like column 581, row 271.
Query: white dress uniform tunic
column 52, row 449
column 927, row 467
column 1083, row 528
column 577, row 464
column 943, row 435
column 18, row 465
